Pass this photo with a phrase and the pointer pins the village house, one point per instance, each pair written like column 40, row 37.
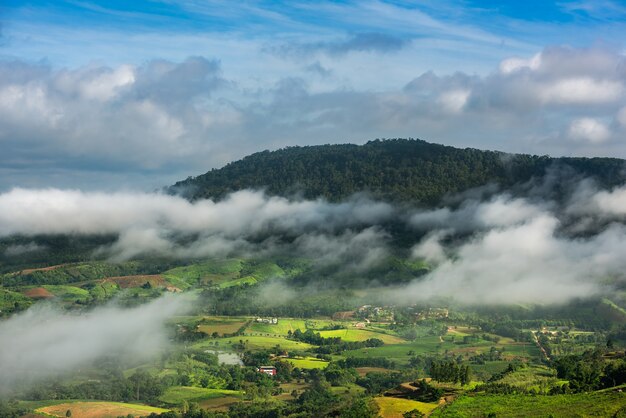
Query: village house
column 268, row 370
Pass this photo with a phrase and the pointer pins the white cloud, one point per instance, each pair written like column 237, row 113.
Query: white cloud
column 582, row 90
column 150, row 223
column 190, row 116
column 519, row 251
column 96, row 83
column 524, row 263
column 501, row 210
column 430, row 248
column 588, row 130
column 511, row 65
column 454, row 101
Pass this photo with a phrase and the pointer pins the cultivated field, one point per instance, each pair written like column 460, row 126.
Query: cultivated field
column 99, row 409
column 125, row 282
column 361, row 335
column 282, row 328
column 254, row 342
column 176, row 395
column 308, row 363
column 221, row 325
column 395, row 407
column 597, row 404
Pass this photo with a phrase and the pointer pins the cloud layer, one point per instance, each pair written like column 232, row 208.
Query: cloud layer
column 246, row 222
column 43, row 342
column 494, row 249
column 161, row 121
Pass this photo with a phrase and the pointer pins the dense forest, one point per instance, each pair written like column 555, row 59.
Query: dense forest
column 397, row 169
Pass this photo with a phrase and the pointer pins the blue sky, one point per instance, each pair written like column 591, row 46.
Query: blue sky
column 109, row 94
column 70, row 33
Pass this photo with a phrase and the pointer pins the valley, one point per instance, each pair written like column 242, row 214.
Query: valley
column 358, row 353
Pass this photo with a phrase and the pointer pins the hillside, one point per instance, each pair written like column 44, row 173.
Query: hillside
column 397, row 170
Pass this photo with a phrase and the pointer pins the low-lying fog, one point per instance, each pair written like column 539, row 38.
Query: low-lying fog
column 513, row 249
column 44, row 341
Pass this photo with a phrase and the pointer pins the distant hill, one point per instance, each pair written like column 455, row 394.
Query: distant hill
column 397, row 169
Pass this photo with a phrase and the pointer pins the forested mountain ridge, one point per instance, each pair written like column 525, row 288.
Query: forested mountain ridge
column 395, row 169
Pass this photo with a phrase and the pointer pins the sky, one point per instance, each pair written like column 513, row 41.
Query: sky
column 118, row 95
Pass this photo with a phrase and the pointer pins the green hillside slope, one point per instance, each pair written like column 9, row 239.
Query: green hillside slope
column 398, row 170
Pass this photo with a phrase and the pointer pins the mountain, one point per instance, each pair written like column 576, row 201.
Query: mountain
column 407, row 170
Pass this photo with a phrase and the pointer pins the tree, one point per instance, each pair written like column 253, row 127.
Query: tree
column 465, row 375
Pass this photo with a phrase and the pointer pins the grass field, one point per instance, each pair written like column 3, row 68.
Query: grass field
column 9, row 300
column 351, row 389
column 214, row 271
column 126, row 282
column 400, row 352
column 597, row 404
column 488, row 369
column 362, row 371
column 282, row 328
column 67, row 293
column 99, row 409
column 102, row 289
column 220, row 403
column 395, row 407
column 223, row 273
column 176, row 395
column 361, row 335
column 537, row 377
column 462, row 331
column 288, row 388
column 254, row 342
column 238, row 282
column 308, row 363
column 521, row 350
column 221, row 325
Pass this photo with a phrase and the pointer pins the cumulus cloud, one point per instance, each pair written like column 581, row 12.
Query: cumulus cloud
column 589, row 130
column 511, row 65
column 138, row 116
column 453, row 101
column 43, row 341
column 186, row 117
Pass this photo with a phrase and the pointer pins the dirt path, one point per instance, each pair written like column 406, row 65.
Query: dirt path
column 543, row 350
column 49, row 268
